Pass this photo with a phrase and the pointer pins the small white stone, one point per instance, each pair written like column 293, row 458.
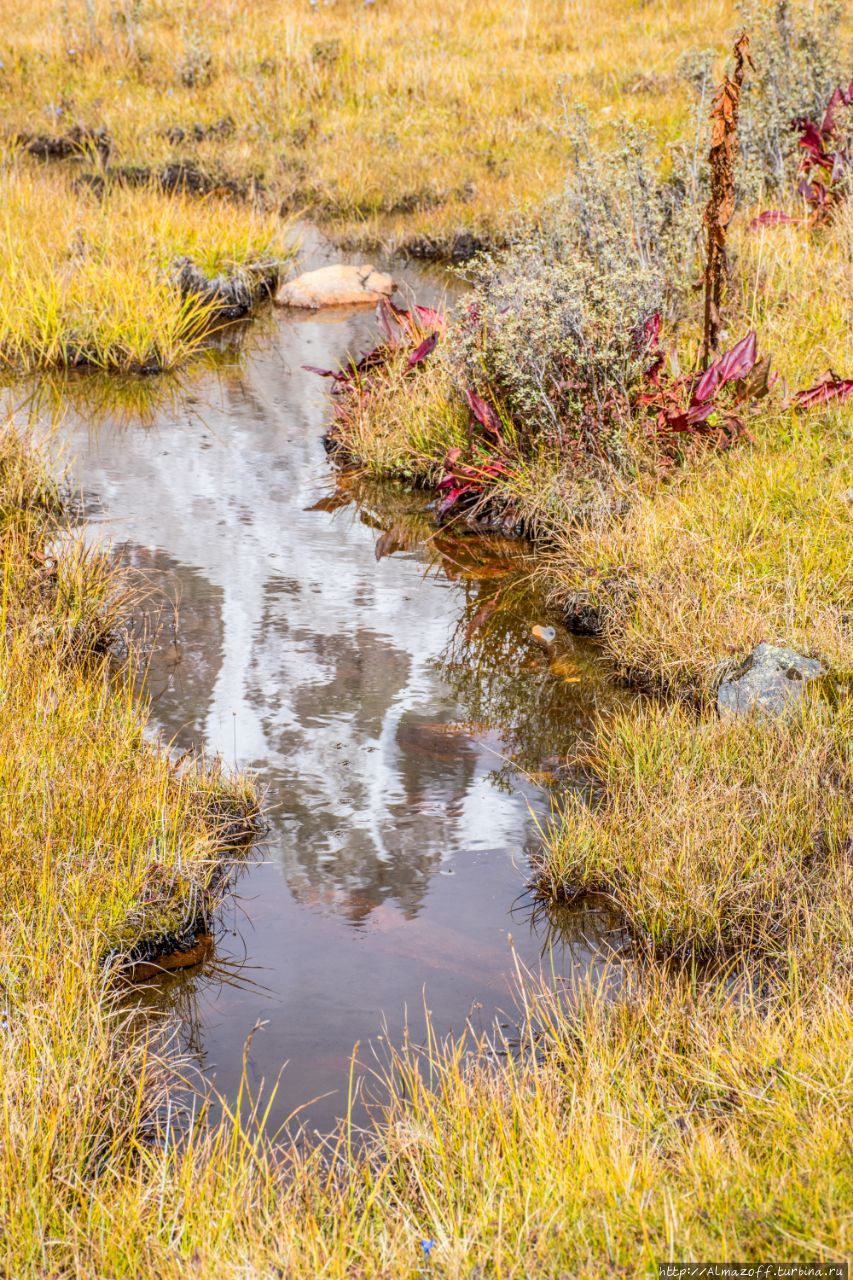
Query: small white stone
column 335, row 286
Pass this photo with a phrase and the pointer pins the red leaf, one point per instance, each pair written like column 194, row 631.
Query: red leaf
column 730, row 367
column 450, row 499
column 811, row 140
column 651, row 329
column 707, row 384
column 827, row 388
column 839, row 98
column 484, row 413
column 772, row 218
column 421, row 352
column 740, row 361
column 689, row 418
column 646, row 338
column 431, row 319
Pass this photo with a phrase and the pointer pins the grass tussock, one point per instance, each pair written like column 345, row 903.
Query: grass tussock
column 87, row 279
column 392, row 433
column 722, row 837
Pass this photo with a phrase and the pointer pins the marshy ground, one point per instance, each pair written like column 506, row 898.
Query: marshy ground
column 686, row 1098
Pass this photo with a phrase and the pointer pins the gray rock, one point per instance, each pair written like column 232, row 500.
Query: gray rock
column 230, row 296
column 770, row 681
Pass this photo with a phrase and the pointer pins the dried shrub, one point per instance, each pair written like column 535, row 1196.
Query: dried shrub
column 721, row 200
column 195, row 69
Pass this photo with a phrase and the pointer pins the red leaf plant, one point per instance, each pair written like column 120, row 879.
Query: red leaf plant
column 710, row 403
column 413, row 333
column 466, row 479
column 829, row 387
column 823, row 165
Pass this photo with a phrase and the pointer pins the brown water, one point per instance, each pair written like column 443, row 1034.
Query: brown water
column 381, row 682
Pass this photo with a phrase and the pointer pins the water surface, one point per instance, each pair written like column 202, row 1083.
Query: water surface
column 380, row 680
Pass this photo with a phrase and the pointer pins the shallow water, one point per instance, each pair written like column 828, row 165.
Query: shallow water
column 381, row 682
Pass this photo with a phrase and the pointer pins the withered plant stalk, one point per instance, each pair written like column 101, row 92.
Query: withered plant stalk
column 721, row 202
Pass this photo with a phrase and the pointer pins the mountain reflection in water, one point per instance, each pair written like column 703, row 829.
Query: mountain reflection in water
column 379, row 677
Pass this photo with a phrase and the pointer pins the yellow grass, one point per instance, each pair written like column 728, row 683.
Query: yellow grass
column 716, row 837
column 391, row 118
column 85, row 279
column 689, row 1116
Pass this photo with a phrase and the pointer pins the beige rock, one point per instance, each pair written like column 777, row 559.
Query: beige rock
column 336, row 286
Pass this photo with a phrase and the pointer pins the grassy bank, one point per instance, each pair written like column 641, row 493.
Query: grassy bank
column 447, row 116
column 750, row 545
column 689, row 1115
column 719, row 837
column 89, row 279
column 105, row 848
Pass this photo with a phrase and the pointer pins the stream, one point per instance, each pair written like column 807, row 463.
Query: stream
column 378, row 678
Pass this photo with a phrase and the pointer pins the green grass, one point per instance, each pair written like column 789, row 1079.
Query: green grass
column 721, row 837
column 86, row 279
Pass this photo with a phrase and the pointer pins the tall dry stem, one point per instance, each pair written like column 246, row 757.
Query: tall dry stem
column 721, row 202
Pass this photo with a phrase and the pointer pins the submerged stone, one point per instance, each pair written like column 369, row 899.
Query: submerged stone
column 771, row 680
column 335, row 286
column 544, row 636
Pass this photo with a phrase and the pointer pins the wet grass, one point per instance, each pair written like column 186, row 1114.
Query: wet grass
column 86, row 279
column 722, row 837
